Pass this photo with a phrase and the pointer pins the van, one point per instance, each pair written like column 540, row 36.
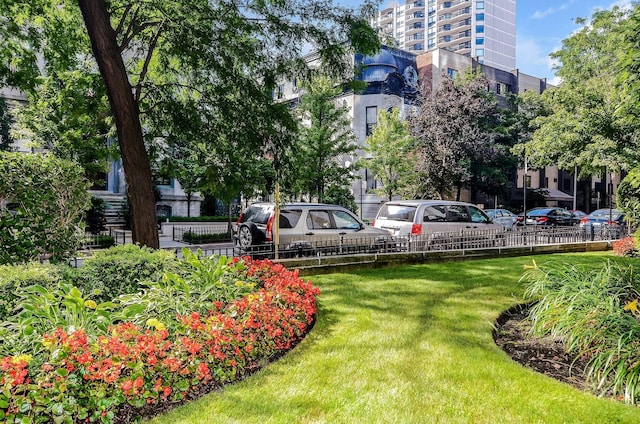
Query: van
column 438, row 224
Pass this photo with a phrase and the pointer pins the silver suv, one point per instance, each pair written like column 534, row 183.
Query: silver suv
column 438, row 224
column 307, row 229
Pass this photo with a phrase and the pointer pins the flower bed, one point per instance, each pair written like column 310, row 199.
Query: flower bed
column 134, row 368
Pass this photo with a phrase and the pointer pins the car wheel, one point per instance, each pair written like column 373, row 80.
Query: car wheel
column 247, row 235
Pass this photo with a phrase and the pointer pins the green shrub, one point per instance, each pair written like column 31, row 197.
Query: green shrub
column 223, row 218
column 101, row 241
column 119, row 270
column 14, row 279
column 194, row 238
column 50, row 195
column 595, row 312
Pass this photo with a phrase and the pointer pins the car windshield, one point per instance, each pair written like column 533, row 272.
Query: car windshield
column 257, row 214
column 397, row 212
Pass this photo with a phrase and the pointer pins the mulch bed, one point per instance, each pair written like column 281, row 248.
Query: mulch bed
column 545, row 355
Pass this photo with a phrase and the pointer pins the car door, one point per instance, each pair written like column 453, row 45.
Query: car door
column 349, row 230
column 475, row 228
column 320, row 229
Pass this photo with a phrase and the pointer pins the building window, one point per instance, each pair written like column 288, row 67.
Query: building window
column 479, row 41
column 446, row 4
column 479, row 16
column 480, row 5
column 446, row 38
column 479, row 52
column 479, row 29
column 161, row 178
column 372, row 119
column 452, row 72
column 446, row 27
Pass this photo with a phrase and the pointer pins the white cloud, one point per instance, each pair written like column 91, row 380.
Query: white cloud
column 539, row 14
column 532, row 58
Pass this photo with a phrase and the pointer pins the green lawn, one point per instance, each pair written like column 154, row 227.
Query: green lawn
column 408, row 345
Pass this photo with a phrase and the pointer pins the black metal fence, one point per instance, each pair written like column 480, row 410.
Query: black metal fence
column 462, row 240
column 201, row 234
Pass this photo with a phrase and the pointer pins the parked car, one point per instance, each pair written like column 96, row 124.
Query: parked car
column 504, row 217
column 603, row 219
column 431, row 224
column 549, row 216
column 307, row 229
column 577, row 216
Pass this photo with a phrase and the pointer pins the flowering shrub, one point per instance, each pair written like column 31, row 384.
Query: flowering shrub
column 625, row 247
column 85, row 377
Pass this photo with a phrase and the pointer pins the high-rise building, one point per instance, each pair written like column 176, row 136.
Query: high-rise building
column 482, row 29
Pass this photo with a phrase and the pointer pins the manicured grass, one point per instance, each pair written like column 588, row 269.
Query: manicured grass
column 408, row 345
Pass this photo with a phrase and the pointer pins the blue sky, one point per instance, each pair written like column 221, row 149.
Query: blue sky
column 542, row 25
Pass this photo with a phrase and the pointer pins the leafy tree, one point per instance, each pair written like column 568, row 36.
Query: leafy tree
column 50, row 197
column 628, row 196
column 343, row 196
column 325, row 141
column 583, row 127
column 392, row 161
column 6, row 141
column 69, row 115
column 454, row 128
column 152, row 55
column 628, row 64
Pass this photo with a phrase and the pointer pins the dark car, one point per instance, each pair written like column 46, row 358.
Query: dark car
column 601, row 219
column 550, row 216
column 577, row 216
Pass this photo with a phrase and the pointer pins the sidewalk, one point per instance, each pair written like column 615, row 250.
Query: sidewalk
column 166, row 242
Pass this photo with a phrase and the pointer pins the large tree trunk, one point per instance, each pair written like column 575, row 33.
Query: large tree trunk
column 127, row 118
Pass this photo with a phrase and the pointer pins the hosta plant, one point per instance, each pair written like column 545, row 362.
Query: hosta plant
column 198, row 283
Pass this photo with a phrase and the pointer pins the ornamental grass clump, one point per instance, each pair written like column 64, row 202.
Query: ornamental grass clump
column 203, row 330
column 595, row 312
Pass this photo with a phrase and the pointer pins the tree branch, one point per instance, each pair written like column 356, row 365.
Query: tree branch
column 125, row 13
column 147, row 60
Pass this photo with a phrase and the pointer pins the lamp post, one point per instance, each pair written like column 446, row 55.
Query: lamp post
column 363, row 188
column 524, row 192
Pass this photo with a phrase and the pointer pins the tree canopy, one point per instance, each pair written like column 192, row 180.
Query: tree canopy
column 393, row 160
column 454, row 129
column 209, row 58
column 584, row 126
column 325, row 142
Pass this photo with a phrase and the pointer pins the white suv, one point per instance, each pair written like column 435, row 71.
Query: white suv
column 307, row 229
column 432, row 224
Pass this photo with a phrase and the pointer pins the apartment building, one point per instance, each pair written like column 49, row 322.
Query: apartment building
column 482, row 29
column 395, row 78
